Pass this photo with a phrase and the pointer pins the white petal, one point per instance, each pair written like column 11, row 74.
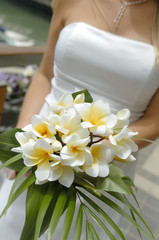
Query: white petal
column 88, row 157
column 79, row 98
column 132, row 144
column 43, row 170
column 82, row 142
column 124, row 152
column 84, row 110
column 111, row 120
column 37, row 182
column 98, row 130
column 44, row 145
column 99, row 110
column 131, row 158
column 17, row 149
column 37, row 119
column 102, row 152
column 67, row 154
column 55, row 173
column 27, row 128
column 121, row 134
column 112, row 140
column 55, row 157
column 67, row 177
column 103, row 169
column 87, row 125
column 92, row 170
column 24, row 137
column 123, row 114
column 66, row 99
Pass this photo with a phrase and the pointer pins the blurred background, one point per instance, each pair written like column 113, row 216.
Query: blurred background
column 24, row 26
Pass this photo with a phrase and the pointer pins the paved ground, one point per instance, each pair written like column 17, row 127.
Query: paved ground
column 147, row 182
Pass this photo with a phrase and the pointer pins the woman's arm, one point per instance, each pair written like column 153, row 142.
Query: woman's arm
column 148, row 125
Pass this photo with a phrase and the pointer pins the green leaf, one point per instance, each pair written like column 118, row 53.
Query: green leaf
column 34, row 199
column 81, row 182
column 125, row 201
column 24, row 185
column 133, row 216
column 88, row 97
column 129, row 182
column 103, row 214
column 11, row 160
column 144, row 139
column 92, row 231
column 8, row 138
column 113, row 182
column 58, row 210
column 18, row 178
column 16, row 181
column 123, row 213
column 48, row 215
column 7, row 142
column 78, row 226
column 100, row 223
column 48, row 196
column 87, row 230
column 69, row 215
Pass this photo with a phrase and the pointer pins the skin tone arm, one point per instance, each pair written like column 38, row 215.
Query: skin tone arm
column 148, row 125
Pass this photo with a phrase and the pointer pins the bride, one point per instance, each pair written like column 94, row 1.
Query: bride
column 110, row 48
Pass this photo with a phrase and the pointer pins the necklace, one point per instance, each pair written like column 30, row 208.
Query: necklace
column 123, row 8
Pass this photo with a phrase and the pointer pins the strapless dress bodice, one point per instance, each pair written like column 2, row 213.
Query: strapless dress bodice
column 119, row 70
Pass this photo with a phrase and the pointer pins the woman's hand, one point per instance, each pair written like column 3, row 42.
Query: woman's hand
column 13, row 174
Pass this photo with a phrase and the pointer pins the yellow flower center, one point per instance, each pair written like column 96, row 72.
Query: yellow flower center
column 43, row 130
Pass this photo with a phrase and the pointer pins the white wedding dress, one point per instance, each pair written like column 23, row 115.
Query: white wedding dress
column 116, row 69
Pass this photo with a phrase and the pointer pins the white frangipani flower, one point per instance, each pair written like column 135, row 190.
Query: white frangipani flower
column 65, row 101
column 76, row 152
column 41, row 128
column 123, row 145
column 122, row 118
column 23, row 138
column 38, row 153
column 102, row 156
column 71, row 124
column 97, row 117
column 64, row 174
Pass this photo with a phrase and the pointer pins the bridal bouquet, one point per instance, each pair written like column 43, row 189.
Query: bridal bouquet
column 71, row 154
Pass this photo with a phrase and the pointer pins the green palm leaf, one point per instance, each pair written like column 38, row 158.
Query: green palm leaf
column 34, row 198
column 103, row 214
column 48, row 215
column 24, row 185
column 123, row 213
column 125, row 201
column 10, row 161
column 19, row 176
column 58, row 210
column 78, row 226
column 7, row 142
column 99, row 222
column 92, row 234
column 43, row 209
column 69, row 215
